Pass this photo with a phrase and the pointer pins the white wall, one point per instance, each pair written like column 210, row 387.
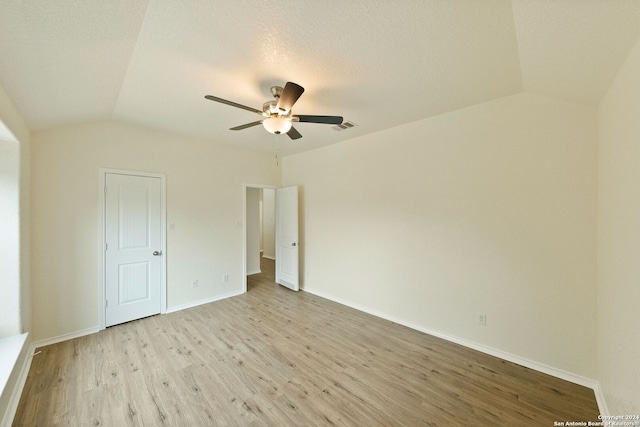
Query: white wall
column 204, row 202
column 254, row 219
column 619, row 240
column 269, row 223
column 487, row 210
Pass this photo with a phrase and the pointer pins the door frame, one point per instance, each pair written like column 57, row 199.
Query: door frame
column 102, row 238
column 244, row 228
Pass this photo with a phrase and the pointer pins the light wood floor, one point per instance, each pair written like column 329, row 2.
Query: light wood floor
column 276, row 357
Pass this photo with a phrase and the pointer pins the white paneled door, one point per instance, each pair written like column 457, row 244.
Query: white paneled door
column 287, row 244
column 133, row 247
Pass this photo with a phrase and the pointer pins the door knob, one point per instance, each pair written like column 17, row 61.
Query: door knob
column 293, row 244
column 157, row 253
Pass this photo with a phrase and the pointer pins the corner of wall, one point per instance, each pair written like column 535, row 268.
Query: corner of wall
column 618, row 346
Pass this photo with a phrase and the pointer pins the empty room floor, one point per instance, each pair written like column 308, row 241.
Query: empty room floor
column 277, row 357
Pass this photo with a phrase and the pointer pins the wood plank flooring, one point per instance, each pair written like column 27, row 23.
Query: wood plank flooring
column 281, row 358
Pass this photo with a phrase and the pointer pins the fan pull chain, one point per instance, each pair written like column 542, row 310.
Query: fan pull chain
column 278, row 149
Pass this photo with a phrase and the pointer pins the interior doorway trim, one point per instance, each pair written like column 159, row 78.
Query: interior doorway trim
column 102, row 238
column 244, row 228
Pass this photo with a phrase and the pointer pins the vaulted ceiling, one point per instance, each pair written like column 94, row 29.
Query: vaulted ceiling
column 378, row 63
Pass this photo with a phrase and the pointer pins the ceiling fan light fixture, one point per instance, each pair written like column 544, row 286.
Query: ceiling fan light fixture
column 277, row 125
column 277, row 112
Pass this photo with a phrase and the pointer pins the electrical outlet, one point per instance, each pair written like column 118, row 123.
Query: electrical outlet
column 194, row 284
column 225, row 278
column 482, row 319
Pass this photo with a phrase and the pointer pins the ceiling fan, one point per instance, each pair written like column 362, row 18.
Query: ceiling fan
column 277, row 114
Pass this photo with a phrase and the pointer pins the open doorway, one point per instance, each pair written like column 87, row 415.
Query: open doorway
column 255, row 240
column 260, row 248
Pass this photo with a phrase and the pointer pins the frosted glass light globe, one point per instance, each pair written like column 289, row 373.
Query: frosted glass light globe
column 277, row 125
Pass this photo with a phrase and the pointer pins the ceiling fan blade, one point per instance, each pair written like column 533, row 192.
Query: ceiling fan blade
column 290, row 95
column 293, row 133
column 330, row 120
column 248, row 125
column 233, row 104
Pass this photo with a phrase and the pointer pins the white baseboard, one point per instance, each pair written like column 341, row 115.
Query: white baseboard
column 531, row 364
column 65, row 337
column 272, row 257
column 95, row 329
column 258, row 271
column 204, row 301
column 602, row 403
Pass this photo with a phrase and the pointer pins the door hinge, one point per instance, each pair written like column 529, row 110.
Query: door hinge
column 106, row 246
column 106, row 303
column 105, row 190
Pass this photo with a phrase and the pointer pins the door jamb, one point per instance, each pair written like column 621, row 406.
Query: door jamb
column 102, row 239
column 244, row 228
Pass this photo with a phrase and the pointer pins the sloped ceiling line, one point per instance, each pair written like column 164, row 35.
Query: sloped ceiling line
column 379, row 63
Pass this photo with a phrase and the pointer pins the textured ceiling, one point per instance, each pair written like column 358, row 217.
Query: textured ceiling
column 378, row 63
